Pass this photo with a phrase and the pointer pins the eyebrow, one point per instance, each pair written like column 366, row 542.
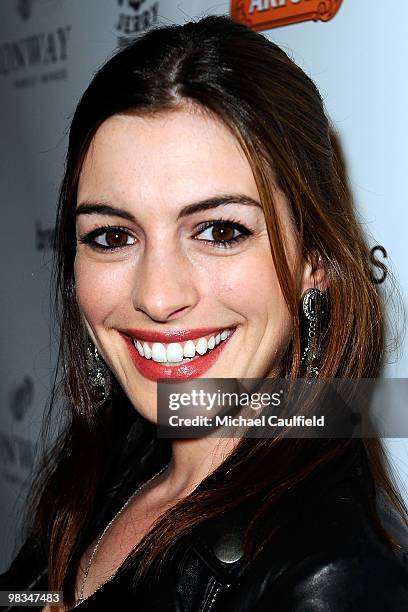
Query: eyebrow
column 95, row 208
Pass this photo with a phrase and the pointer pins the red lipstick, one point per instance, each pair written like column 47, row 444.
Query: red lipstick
column 172, row 335
column 153, row 370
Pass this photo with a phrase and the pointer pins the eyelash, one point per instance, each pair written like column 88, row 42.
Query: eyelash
column 224, row 223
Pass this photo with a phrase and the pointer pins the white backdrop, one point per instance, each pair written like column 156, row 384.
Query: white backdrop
column 49, row 50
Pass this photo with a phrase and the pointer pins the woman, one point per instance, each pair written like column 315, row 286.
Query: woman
column 202, row 207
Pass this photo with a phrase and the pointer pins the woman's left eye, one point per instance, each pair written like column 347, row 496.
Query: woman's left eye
column 223, row 233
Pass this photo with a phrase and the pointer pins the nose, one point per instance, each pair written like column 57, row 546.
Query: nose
column 164, row 286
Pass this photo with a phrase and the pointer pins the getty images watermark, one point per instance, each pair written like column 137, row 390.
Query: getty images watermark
column 214, row 401
column 330, row 408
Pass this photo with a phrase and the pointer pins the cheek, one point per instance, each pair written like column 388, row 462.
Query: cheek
column 248, row 284
column 99, row 288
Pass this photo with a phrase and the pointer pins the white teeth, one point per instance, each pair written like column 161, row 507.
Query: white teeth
column 147, row 351
column 174, row 352
column 158, row 352
column 189, row 349
column 201, row 346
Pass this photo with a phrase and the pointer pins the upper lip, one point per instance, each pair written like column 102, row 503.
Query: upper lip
column 172, row 335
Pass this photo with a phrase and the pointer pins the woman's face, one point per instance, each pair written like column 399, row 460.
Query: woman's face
column 173, row 261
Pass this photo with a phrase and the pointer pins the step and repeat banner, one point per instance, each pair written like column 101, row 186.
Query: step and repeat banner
column 356, row 52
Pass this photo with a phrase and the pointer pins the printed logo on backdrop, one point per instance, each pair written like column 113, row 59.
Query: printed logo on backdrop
column 134, row 18
column 267, row 14
column 17, row 452
column 380, row 274
column 44, row 237
column 24, row 8
column 39, row 57
column 21, row 397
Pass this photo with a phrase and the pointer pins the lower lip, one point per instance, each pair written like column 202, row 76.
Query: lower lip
column 191, row 369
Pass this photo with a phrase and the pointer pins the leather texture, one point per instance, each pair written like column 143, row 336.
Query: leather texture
column 328, row 558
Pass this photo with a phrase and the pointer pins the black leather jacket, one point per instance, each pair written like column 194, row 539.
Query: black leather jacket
column 328, row 559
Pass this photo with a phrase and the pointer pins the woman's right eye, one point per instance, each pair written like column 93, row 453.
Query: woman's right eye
column 108, row 238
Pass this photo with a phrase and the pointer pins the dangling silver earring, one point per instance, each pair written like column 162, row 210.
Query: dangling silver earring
column 313, row 308
column 98, row 375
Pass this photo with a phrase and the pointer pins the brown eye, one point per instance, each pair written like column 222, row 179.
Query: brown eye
column 116, row 238
column 109, row 238
column 220, row 233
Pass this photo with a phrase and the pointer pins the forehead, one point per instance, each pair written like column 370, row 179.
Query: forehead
column 173, row 157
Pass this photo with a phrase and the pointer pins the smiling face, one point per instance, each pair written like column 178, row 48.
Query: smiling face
column 172, row 249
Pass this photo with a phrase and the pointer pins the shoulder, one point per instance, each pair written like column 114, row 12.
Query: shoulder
column 340, row 584
column 339, row 562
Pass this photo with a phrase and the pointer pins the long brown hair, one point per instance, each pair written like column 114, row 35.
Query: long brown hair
column 277, row 115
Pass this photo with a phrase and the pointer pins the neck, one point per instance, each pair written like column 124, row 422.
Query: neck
column 192, row 461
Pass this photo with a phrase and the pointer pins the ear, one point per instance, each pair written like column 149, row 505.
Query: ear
column 314, row 273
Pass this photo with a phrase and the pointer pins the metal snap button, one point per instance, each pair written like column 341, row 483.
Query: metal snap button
column 228, row 548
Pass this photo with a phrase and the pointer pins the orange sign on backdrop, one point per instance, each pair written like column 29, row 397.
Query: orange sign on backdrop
column 266, row 14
